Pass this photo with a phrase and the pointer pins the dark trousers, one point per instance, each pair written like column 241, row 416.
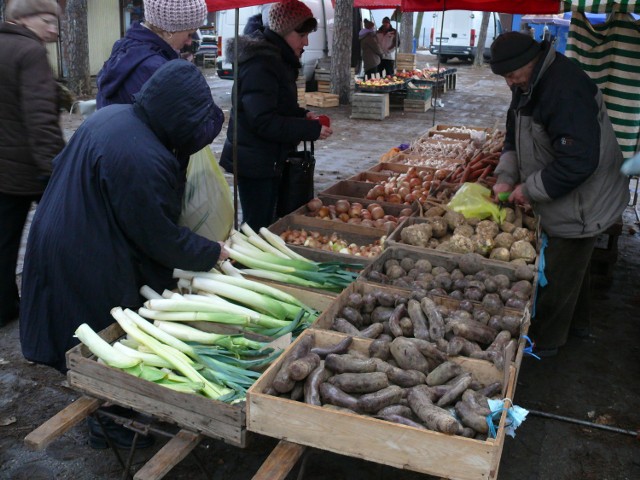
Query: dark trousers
column 258, row 199
column 13, row 215
column 386, row 65
column 563, row 303
column 371, row 72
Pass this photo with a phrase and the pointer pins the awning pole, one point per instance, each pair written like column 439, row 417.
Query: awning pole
column 234, row 115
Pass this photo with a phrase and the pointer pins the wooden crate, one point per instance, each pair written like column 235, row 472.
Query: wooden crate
column 372, row 106
column 375, row 440
column 323, row 100
column 354, row 192
column 416, row 106
column 396, row 168
column 324, row 86
column 192, row 412
column 350, row 233
column 405, row 61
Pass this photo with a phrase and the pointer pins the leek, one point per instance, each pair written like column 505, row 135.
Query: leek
column 190, row 334
column 147, row 292
column 101, row 349
column 259, row 242
column 281, row 245
column 150, row 359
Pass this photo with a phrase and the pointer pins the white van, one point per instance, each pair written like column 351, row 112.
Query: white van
column 457, row 35
column 320, row 41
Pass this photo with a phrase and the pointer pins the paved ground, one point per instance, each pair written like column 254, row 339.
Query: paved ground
column 593, row 380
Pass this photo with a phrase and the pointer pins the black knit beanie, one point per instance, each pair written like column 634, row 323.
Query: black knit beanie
column 511, row 51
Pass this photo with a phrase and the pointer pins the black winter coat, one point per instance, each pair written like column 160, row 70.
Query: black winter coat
column 270, row 122
column 30, row 134
column 107, row 223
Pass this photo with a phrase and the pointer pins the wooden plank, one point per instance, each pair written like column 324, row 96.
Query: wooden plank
column 365, row 437
column 174, row 451
column 280, row 461
column 61, row 422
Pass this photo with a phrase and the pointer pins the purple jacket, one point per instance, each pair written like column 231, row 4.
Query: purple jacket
column 134, row 58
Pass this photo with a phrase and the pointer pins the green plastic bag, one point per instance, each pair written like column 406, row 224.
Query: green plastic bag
column 474, row 201
column 207, row 206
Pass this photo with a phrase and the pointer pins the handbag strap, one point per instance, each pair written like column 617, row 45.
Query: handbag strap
column 312, row 148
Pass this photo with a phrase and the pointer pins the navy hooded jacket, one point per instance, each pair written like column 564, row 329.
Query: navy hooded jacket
column 134, row 58
column 107, row 223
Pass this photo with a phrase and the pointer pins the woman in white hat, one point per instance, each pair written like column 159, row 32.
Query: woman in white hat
column 168, row 27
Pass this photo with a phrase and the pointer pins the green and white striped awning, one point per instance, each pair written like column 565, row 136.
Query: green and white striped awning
column 610, row 54
column 602, row 6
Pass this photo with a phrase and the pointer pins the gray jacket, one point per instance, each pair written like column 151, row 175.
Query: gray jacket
column 561, row 145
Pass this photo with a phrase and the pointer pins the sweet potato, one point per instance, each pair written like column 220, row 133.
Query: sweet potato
column 458, row 386
column 301, row 368
column 443, row 373
column 490, row 390
column 360, row 382
column 407, row 355
column 394, row 320
column 435, row 418
column 419, row 320
column 373, row 402
column 349, row 363
column 298, row 392
column 407, row 327
column 474, row 331
column 379, row 349
column 381, row 314
column 469, row 417
column 344, row 326
column 372, row 331
column 429, row 350
column 436, row 322
column 401, row 420
column 282, row 382
column 405, row 378
column 352, row 316
column 506, row 322
column 312, row 384
column 333, row 395
column 339, row 348
column 396, row 410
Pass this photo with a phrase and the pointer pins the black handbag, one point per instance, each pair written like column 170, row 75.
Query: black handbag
column 296, row 185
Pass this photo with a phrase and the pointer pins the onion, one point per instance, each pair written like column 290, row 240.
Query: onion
column 355, row 211
column 367, row 223
column 389, row 218
column 344, row 216
column 365, row 214
column 379, row 223
column 371, row 206
column 377, row 213
column 342, row 206
column 394, row 198
column 414, row 182
column 406, row 212
column 388, row 226
column 314, row 204
column 441, row 174
column 354, row 220
column 403, row 191
column 323, row 212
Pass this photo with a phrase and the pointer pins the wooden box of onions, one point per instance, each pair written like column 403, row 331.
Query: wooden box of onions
column 365, row 213
column 197, row 413
column 327, row 241
column 352, row 424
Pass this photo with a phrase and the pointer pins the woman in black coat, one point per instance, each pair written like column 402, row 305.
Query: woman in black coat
column 270, row 122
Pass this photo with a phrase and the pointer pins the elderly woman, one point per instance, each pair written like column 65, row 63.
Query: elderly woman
column 167, row 28
column 30, row 135
column 270, row 121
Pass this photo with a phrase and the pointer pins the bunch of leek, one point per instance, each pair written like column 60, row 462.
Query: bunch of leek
column 267, row 256
column 181, row 357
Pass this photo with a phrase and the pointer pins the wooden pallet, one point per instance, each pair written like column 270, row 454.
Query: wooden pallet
column 374, row 106
column 321, row 99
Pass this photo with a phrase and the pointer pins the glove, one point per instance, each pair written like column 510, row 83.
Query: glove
column 631, row 166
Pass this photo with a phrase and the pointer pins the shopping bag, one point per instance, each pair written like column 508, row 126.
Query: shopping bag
column 474, row 201
column 296, row 185
column 207, row 206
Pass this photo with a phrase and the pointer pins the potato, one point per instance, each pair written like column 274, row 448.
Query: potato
column 492, row 303
column 333, row 395
column 423, row 265
column 502, row 281
column 372, row 402
column 523, row 249
column 521, row 233
column 340, row 347
column 408, row 264
column 510, row 214
column 355, row 301
column 460, row 244
column 301, row 368
column 438, row 226
column 464, row 230
column 524, row 272
column 435, row 212
column 523, row 287
column 435, row 418
column 352, row 315
column 470, row 263
column 443, row 373
column 282, row 382
column 501, row 254
column 385, row 299
column 487, row 229
column 453, row 219
column 344, row 326
column 503, row 240
column 470, row 417
column 312, row 384
column 458, row 385
column 507, row 227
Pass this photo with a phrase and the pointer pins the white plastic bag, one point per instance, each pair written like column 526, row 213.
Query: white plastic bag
column 207, row 207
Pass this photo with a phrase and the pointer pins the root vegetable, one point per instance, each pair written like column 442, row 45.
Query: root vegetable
column 333, row 395
column 342, row 325
column 429, row 350
column 360, row 382
column 443, row 373
column 301, row 368
column 403, row 410
column 381, row 314
column 407, row 355
column 282, row 382
column 470, row 263
column 419, row 320
column 471, row 418
column 436, row 322
column 394, row 320
column 502, row 254
column 379, row 349
column 312, row 384
column 373, row 402
column 458, row 387
column 435, row 418
column 523, row 249
column 372, row 331
column 314, row 204
column 474, row 331
column 349, row 364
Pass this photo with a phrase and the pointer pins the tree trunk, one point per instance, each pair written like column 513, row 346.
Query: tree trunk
column 406, row 32
column 416, row 34
column 341, row 53
column 74, row 43
column 482, row 38
column 2, row 10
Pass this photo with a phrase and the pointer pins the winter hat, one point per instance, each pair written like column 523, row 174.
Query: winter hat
column 368, row 24
column 175, row 15
column 23, row 8
column 511, row 51
column 287, row 15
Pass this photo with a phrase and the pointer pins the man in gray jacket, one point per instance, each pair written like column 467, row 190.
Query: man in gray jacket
column 560, row 156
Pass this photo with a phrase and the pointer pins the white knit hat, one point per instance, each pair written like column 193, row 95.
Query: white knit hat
column 175, row 15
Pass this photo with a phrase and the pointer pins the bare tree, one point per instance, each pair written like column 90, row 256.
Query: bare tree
column 341, row 50
column 406, row 32
column 74, row 45
column 482, row 39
